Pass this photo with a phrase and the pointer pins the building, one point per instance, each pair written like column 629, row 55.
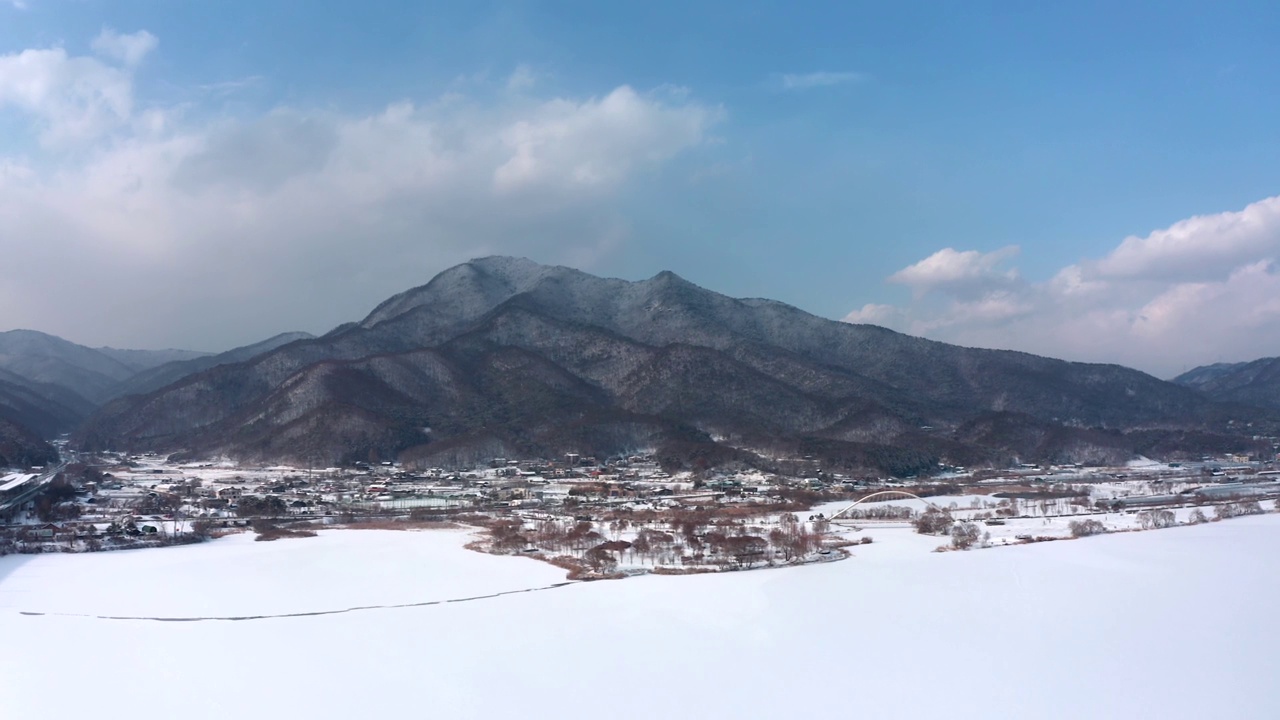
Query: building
column 16, row 489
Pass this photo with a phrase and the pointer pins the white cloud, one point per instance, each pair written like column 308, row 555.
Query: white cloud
column 876, row 314
column 597, row 142
column 993, row 308
column 1202, row 247
column 1203, row 290
column 72, row 99
column 175, row 232
column 521, row 79
column 961, row 273
column 127, row 49
column 808, row 81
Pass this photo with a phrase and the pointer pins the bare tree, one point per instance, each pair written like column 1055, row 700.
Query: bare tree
column 746, row 549
column 964, row 535
column 642, row 546
column 778, row 539
column 601, row 559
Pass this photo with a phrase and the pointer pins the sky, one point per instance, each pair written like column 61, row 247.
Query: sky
column 1098, row 181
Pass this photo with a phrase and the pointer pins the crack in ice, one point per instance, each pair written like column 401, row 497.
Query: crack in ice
column 313, row 613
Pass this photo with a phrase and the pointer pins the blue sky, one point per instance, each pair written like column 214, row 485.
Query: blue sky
column 995, row 174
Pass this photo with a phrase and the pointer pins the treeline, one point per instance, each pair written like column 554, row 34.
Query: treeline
column 685, row 539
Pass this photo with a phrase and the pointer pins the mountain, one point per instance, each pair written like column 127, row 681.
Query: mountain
column 41, row 358
column 1206, row 374
column 141, row 360
column 20, row 448
column 90, row 373
column 1250, row 383
column 42, row 408
column 503, row 356
column 157, row 376
column 49, row 386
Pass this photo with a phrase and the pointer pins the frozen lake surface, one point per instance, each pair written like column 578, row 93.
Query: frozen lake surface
column 1170, row 623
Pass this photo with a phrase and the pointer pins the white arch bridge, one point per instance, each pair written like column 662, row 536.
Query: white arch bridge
column 882, row 493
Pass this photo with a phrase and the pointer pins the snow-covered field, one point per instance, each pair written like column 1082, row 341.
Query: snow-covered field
column 1170, row 623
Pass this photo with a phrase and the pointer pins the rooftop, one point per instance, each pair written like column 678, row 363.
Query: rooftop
column 12, row 482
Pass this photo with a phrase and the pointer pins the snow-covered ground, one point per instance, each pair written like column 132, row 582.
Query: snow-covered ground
column 1171, row 623
column 236, row 576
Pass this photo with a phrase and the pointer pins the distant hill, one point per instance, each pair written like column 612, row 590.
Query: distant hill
column 49, row 385
column 156, row 377
column 506, row 357
column 140, row 360
column 1206, row 374
column 41, row 358
column 1254, row 383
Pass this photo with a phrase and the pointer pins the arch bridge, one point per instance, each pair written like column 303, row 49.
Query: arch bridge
column 882, row 493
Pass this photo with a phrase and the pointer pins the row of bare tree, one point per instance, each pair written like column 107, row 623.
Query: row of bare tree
column 685, row 538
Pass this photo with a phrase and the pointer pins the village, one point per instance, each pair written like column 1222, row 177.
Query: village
column 620, row 517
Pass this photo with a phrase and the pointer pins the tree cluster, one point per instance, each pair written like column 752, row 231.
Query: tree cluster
column 1157, row 519
column 686, row 536
column 792, row 538
column 1230, row 510
column 884, row 512
column 1085, row 528
column 934, row 521
column 508, row 536
column 254, row 506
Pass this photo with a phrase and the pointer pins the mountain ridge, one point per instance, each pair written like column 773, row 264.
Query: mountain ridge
column 538, row 360
column 1255, row 383
column 155, row 377
column 49, row 386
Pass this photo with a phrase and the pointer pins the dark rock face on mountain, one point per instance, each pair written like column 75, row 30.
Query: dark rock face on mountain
column 1254, row 383
column 502, row 356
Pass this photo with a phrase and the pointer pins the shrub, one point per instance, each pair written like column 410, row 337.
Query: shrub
column 268, row 531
